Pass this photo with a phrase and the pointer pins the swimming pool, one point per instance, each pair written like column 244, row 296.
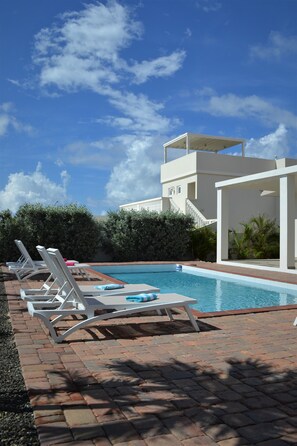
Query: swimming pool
column 214, row 291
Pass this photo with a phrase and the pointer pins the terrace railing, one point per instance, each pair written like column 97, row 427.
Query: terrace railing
column 199, row 219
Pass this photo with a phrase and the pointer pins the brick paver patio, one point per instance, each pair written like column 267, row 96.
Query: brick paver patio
column 147, row 381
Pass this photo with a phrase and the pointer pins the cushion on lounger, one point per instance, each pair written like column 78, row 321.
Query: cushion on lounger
column 143, row 297
column 109, row 286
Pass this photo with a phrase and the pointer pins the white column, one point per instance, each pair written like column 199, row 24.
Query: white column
column 287, row 222
column 165, row 155
column 222, row 224
column 187, row 144
column 243, row 149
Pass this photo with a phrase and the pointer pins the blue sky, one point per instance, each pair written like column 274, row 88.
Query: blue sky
column 90, row 91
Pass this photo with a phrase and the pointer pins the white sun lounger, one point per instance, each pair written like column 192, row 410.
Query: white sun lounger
column 29, row 267
column 25, row 267
column 54, row 289
column 24, row 259
column 75, row 303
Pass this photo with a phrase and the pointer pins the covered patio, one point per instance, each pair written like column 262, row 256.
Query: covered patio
column 279, row 182
column 195, row 141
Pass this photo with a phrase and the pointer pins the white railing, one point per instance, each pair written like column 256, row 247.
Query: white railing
column 153, row 204
column 199, row 219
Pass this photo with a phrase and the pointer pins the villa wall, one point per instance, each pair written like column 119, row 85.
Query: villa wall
column 205, row 169
column 213, row 164
column 202, row 170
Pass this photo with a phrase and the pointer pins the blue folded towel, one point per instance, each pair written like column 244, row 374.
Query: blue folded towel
column 109, row 286
column 143, row 297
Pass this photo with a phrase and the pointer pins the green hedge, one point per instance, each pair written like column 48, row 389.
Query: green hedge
column 70, row 228
column 204, row 244
column 146, row 235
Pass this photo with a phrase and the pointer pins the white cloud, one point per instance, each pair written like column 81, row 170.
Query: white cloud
column 231, row 105
column 5, row 121
column 161, row 67
column 6, row 107
column 32, row 188
column 83, row 51
column 137, row 176
column 269, row 146
column 8, row 120
column 277, row 47
column 143, row 114
column 101, row 154
column 208, row 5
column 188, row 33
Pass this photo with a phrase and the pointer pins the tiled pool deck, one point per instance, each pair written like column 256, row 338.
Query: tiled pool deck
column 148, row 381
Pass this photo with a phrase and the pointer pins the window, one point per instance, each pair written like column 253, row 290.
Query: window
column 171, row 191
column 178, row 189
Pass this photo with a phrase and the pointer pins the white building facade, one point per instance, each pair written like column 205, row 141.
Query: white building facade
column 189, row 182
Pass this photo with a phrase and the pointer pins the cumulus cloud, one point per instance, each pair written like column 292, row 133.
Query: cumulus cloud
column 160, row 67
column 33, row 188
column 277, row 46
column 143, row 114
column 83, row 51
column 9, row 121
column 137, row 176
column 273, row 145
column 231, row 105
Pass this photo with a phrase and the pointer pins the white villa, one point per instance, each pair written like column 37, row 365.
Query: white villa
column 224, row 190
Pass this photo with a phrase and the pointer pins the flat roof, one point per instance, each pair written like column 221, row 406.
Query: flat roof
column 198, row 141
column 267, row 181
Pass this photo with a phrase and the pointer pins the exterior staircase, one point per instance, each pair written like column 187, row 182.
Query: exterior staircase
column 199, row 219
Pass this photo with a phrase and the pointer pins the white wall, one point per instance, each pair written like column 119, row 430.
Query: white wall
column 205, row 169
column 211, row 163
column 179, row 199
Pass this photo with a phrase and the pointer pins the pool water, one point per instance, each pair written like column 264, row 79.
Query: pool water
column 213, row 293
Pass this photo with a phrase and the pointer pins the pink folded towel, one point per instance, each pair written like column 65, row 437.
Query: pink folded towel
column 70, row 263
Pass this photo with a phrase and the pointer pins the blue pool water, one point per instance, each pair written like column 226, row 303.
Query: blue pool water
column 214, row 292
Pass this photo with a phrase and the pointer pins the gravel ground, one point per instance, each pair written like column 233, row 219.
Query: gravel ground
column 16, row 418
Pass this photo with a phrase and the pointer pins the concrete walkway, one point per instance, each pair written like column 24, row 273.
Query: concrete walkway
column 147, row 381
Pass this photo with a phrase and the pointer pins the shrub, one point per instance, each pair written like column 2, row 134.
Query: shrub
column 8, row 232
column 146, row 235
column 259, row 239
column 204, row 242
column 70, row 228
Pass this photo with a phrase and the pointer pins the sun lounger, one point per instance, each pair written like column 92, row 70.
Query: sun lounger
column 24, row 259
column 54, row 289
column 25, row 267
column 75, row 303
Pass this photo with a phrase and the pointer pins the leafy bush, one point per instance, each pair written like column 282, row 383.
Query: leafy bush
column 204, row 241
column 259, row 239
column 70, row 228
column 8, row 232
column 146, row 235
